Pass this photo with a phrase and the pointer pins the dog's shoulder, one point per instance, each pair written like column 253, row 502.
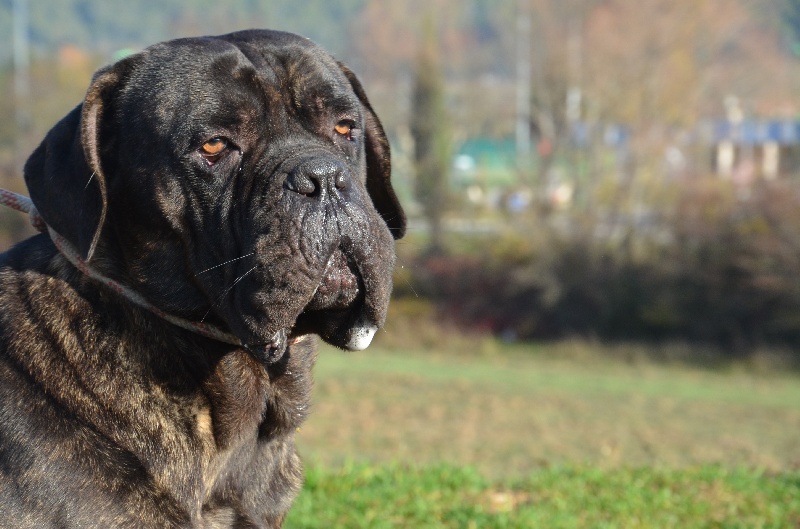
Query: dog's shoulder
column 97, row 404
column 56, row 429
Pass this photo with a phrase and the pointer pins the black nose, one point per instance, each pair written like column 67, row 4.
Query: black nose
column 314, row 177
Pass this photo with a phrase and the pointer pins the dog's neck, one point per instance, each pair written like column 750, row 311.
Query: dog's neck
column 25, row 205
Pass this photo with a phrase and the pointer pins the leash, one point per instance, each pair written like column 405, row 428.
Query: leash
column 25, row 205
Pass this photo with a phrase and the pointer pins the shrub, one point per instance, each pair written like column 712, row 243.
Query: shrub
column 715, row 269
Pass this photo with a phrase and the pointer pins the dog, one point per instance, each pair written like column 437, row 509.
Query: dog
column 239, row 182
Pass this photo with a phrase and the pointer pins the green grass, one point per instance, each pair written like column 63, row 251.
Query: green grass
column 510, row 413
column 546, row 436
column 450, row 497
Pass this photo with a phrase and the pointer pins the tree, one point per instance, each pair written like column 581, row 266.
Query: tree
column 791, row 18
column 432, row 138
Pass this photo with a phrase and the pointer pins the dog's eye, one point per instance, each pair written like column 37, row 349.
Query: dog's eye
column 345, row 129
column 214, row 149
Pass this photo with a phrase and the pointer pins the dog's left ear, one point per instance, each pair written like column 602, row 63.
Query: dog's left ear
column 379, row 164
column 65, row 176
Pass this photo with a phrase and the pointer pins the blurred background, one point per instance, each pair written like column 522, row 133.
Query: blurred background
column 604, row 202
column 610, row 169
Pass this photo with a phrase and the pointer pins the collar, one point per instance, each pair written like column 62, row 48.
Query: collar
column 25, row 205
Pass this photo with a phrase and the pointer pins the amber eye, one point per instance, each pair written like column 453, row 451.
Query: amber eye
column 213, row 149
column 344, row 128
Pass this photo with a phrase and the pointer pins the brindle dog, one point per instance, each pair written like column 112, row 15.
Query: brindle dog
column 241, row 181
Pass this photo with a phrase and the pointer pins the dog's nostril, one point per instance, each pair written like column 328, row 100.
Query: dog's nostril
column 299, row 182
column 314, row 176
column 328, row 170
column 340, row 181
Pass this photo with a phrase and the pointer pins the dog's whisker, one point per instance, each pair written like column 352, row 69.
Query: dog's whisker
column 415, row 245
column 225, row 263
column 225, row 293
column 407, row 282
column 91, row 177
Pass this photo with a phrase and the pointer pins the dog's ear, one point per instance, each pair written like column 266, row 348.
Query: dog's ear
column 379, row 164
column 65, row 175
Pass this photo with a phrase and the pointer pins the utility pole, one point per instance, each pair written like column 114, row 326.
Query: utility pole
column 574, row 67
column 22, row 78
column 575, row 121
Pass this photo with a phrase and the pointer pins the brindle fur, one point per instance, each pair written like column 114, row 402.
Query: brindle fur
column 113, row 417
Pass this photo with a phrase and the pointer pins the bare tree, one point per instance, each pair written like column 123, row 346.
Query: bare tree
column 432, row 139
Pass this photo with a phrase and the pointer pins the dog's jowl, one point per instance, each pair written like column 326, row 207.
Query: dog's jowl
column 220, row 201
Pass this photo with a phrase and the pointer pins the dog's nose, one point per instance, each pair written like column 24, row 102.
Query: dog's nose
column 312, row 177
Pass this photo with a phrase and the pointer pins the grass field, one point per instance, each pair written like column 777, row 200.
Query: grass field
column 451, row 497
column 544, row 436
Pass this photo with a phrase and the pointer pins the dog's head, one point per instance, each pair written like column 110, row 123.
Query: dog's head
column 241, row 179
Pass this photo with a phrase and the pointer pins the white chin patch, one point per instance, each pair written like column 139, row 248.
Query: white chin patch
column 361, row 337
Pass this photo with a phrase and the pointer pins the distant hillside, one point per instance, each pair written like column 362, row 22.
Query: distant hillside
column 105, row 26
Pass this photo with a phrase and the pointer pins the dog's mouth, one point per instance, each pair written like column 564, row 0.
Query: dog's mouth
column 334, row 312
column 340, row 286
column 271, row 351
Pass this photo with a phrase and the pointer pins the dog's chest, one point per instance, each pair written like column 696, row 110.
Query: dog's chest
column 120, row 412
